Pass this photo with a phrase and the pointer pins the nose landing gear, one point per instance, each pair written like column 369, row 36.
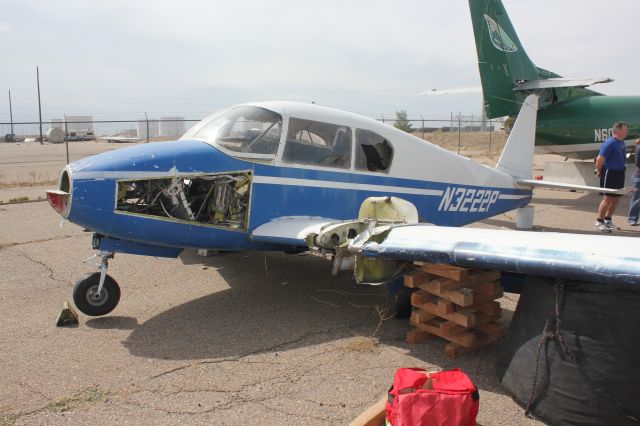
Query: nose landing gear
column 97, row 293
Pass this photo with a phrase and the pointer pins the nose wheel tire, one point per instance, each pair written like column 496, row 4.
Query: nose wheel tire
column 89, row 301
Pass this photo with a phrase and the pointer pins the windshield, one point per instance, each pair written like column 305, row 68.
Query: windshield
column 244, row 129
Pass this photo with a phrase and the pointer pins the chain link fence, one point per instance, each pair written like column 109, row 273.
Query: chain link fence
column 27, row 160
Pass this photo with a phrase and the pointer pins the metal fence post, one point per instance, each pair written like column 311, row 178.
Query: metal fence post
column 39, row 104
column 422, row 125
column 459, row 130
column 147, row 118
column 66, row 139
column 490, row 132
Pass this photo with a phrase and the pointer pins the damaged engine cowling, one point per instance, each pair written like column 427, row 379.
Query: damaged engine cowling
column 376, row 216
column 217, row 200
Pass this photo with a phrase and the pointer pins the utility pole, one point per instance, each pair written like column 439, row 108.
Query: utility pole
column 39, row 104
column 66, row 138
column 10, row 112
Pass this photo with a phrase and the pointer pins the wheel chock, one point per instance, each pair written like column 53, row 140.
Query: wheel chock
column 67, row 317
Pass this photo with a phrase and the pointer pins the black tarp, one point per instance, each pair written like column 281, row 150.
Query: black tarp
column 600, row 326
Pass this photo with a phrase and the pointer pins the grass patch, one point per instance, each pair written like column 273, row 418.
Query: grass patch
column 7, row 419
column 360, row 344
column 19, row 199
column 27, row 183
column 81, row 398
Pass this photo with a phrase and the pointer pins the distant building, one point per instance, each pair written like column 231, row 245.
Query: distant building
column 171, row 126
column 79, row 127
column 79, row 122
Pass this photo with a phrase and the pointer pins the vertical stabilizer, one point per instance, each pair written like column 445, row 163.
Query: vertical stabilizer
column 517, row 156
column 502, row 60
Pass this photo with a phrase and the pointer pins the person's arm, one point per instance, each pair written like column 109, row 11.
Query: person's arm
column 605, row 151
column 599, row 164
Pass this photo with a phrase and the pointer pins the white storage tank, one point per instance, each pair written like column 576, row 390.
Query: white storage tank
column 57, row 123
column 54, row 135
column 171, row 126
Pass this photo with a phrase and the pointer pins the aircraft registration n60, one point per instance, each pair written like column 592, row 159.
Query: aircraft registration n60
column 266, row 176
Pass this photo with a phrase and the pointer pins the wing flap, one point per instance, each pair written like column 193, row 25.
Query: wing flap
column 290, row 230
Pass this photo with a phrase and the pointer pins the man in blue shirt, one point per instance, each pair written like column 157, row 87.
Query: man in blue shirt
column 634, row 204
column 610, row 167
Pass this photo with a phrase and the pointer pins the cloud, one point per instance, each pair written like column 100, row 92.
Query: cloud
column 368, row 56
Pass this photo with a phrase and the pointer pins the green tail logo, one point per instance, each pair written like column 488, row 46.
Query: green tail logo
column 499, row 38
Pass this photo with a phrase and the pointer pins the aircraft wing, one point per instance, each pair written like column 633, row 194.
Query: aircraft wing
column 119, row 139
column 453, row 91
column 290, row 230
column 596, row 258
column 552, row 83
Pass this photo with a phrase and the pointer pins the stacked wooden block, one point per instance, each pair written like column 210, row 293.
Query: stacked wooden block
column 456, row 304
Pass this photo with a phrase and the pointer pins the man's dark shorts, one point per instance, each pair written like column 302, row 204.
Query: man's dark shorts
column 613, row 179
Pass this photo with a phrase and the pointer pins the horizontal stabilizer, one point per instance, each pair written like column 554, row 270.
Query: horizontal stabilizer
column 595, row 258
column 553, row 83
column 531, row 183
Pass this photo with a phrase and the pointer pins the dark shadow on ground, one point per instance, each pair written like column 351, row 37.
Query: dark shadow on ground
column 586, row 203
column 291, row 302
column 274, row 299
column 113, row 323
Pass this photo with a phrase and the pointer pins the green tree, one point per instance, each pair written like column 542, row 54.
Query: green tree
column 402, row 122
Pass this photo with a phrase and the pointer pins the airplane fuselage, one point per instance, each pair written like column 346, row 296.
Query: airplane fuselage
column 576, row 127
column 275, row 192
column 191, row 193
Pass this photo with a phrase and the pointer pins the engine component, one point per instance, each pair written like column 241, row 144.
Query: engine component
column 218, row 200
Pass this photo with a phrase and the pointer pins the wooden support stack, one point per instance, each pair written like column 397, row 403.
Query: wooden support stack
column 456, row 304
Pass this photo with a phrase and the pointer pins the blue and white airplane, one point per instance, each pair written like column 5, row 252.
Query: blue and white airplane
column 264, row 176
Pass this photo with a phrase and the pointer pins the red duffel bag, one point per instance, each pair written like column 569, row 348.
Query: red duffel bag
column 440, row 398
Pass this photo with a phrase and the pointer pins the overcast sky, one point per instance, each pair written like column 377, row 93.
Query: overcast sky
column 119, row 58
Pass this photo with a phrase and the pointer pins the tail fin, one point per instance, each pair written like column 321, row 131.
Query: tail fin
column 504, row 64
column 501, row 58
column 517, row 157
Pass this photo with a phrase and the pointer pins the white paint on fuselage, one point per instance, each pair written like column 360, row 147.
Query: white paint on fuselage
column 413, row 158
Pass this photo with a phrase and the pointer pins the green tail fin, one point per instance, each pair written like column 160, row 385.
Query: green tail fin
column 501, row 58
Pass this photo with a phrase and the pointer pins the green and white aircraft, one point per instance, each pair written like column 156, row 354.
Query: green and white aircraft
column 573, row 121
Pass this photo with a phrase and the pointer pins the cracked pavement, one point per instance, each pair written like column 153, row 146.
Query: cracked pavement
column 231, row 339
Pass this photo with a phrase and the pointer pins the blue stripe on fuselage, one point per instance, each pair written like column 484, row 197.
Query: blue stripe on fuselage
column 355, row 177
column 94, row 199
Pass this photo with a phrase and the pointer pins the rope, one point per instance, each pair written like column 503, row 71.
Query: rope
column 552, row 330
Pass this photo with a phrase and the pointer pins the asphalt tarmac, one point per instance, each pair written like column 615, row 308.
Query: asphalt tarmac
column 238, row 338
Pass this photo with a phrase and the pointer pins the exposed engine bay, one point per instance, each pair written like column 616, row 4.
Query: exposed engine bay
column 218, row 200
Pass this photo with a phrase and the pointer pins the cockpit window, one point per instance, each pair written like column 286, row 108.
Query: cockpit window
column 373, row 152
column 314, row 142
column 244, row 129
